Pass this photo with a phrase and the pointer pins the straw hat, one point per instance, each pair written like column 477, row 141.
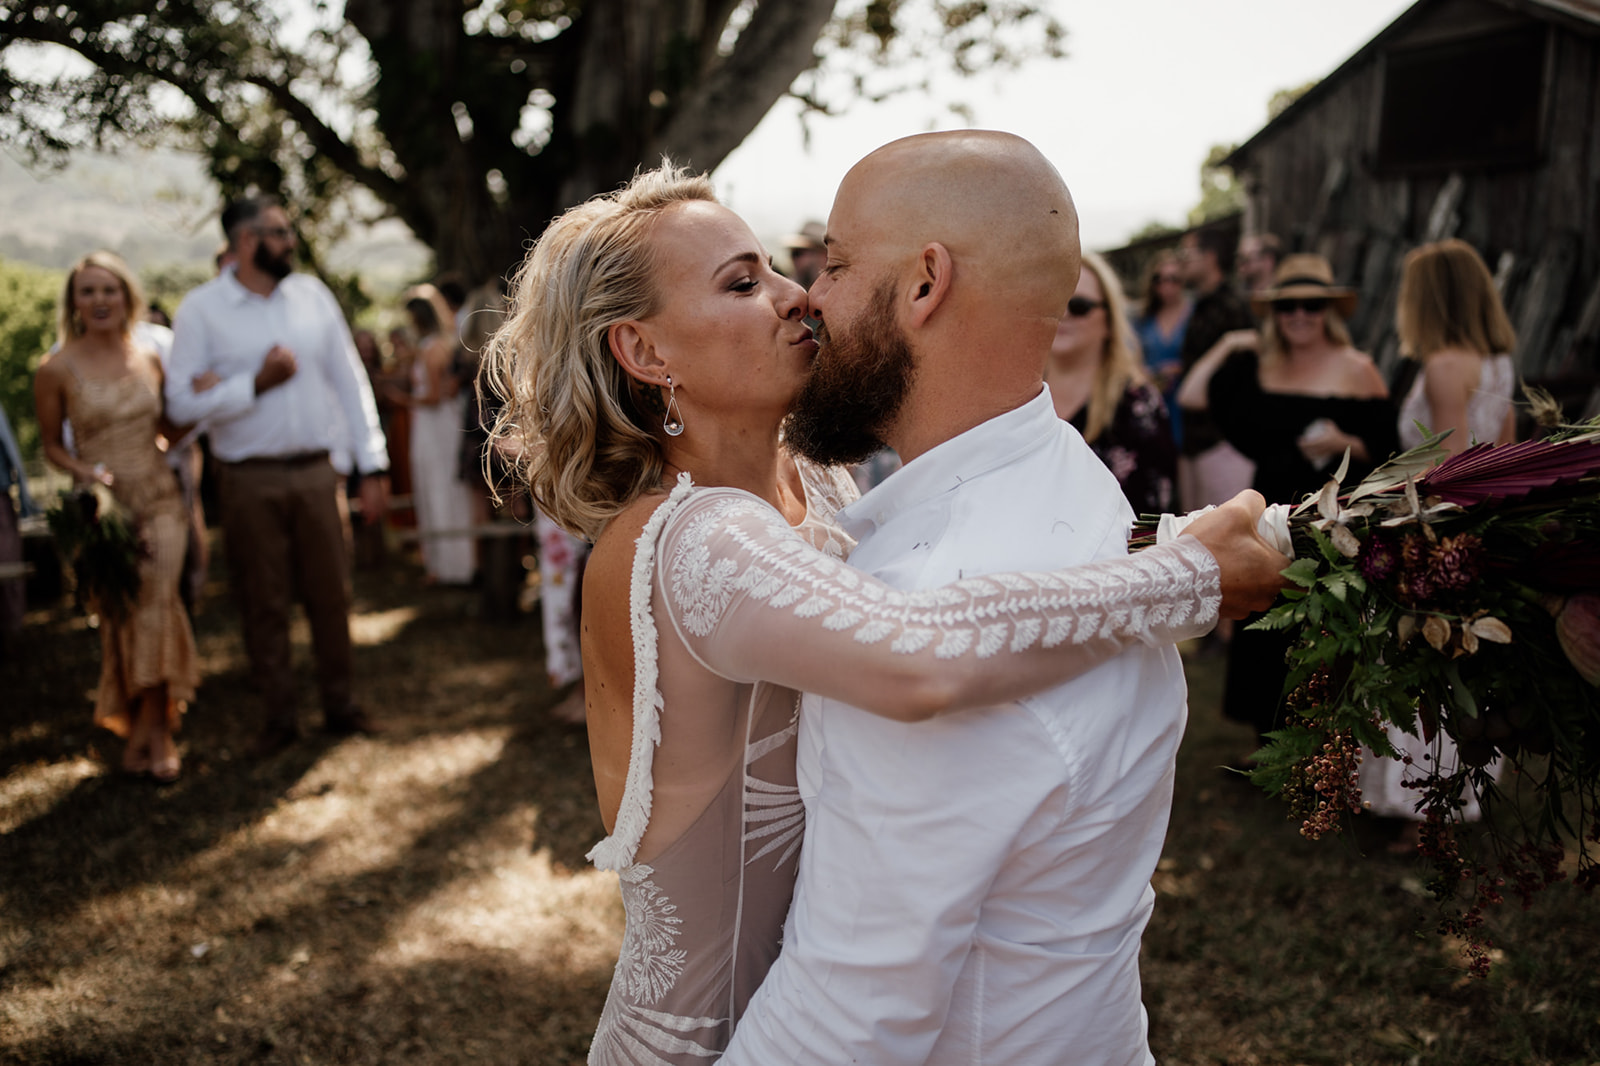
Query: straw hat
column 810, row 236
column 1304, row 277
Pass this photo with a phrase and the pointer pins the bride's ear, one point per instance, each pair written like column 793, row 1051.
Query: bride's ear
column 634, row 351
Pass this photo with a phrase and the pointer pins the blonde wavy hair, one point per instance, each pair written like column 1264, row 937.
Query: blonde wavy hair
column 1121, row 363
column 574, row 425
column 69, row 326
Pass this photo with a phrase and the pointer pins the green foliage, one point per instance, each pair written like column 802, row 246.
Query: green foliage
column 1221, row 194
column 1284, row 99
column 168, row 285
column 1155, row 229
column 474, row 123
column 28, row 298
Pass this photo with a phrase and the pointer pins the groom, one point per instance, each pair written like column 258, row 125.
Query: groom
column 972, row 889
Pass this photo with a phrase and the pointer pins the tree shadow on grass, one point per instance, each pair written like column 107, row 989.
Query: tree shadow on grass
column 440, row 672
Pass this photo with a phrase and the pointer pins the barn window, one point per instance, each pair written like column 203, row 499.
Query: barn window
column 1473, row 103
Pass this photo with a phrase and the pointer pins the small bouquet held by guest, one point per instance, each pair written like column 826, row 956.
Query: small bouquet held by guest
column 95, row 534
column 1460, row 600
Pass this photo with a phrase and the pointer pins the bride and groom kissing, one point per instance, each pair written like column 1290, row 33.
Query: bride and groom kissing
column 938, row 775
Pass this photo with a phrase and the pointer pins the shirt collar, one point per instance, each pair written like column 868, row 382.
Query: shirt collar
column 236, row 292
column 943, row 468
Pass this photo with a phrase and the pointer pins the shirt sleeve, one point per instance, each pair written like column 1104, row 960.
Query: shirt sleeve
column 352, row 390
column 191, row 341
column 753, row 601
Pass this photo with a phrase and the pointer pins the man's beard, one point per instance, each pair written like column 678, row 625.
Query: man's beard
column 858, row 383
column 279, row 266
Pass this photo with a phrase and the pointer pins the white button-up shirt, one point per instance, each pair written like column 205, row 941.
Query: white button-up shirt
column 973, row 889
column 225, row 328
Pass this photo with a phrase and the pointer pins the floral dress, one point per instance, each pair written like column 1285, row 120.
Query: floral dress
column 1138, row 448
column 733, row 612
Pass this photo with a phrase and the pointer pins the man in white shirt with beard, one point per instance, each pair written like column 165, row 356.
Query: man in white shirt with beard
column 973, row 889
column 292, row 400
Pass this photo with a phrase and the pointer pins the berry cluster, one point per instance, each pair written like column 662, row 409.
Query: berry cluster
column 1324, row 786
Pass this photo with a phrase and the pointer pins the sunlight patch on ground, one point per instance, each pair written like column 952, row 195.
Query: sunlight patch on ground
column 29, row 791
column 352, row 812
column 506, row 898
column 380, row 627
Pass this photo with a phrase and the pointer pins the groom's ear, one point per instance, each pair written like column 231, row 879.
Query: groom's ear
column 930, row 282
column 634, row 351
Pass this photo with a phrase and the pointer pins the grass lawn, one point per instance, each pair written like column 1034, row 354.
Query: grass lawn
column 422, row 896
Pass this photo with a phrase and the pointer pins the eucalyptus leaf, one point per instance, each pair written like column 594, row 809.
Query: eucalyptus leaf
column 1409, row 464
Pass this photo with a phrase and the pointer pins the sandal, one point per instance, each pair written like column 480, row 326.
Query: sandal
column 165, row 771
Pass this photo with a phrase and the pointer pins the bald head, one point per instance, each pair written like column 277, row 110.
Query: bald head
column 991, row 198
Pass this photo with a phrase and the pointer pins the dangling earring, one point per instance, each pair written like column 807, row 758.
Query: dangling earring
column 673, row 422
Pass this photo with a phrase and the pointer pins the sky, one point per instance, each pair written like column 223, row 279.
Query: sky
column 1148, row 86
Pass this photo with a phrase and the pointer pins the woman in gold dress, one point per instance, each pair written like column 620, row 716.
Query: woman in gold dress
column 109, row 387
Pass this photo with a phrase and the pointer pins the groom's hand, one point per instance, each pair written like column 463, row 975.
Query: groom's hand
column 1251, row 569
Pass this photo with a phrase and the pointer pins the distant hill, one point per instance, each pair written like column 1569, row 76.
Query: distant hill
column 156, row 209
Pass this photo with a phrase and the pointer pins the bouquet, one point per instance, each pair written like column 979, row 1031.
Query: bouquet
column 103, row 547
column 1459, row 599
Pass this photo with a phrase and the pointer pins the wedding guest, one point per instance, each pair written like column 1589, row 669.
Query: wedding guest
column 441, row 500
column 111, row 389
column 1210, row 469
column 1099, row 385
column 807, row 253
column 649, row 359
column 1258, row 261
column 1293, row 399
column 292, row 391
column 1450, row 318
column 12, row 588
column 1160, row 327
column 562, row 558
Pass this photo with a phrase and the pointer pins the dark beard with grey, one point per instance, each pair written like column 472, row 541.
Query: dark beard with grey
column 858, row 383
column 275, row 266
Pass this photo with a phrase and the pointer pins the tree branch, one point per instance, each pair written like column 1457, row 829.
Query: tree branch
column 339, row 152
column 716, row 115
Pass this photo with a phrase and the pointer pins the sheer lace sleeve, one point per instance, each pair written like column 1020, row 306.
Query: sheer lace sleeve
column 752, row 600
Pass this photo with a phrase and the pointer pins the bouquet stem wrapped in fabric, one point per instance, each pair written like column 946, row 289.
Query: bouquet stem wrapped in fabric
column 1460, row 599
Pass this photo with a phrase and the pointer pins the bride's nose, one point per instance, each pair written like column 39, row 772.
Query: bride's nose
column 792, row 302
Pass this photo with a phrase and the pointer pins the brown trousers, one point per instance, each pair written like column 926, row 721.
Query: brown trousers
column 281, row 524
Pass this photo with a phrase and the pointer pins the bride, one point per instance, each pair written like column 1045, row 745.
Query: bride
column 649, row 359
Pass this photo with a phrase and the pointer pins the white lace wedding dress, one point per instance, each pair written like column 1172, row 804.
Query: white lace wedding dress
column 733, row 612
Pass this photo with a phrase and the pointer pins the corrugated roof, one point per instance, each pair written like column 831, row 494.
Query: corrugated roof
column 1577, row 14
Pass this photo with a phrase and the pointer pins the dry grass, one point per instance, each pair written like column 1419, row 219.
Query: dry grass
column 422, row 897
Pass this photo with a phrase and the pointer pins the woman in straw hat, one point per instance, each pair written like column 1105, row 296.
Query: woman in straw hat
column 1293, row 398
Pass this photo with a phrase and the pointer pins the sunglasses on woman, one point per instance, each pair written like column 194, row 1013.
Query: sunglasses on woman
column 1310, row 305
column 1079, row 306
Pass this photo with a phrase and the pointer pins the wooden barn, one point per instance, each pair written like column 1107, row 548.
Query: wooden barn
column 1477, row 119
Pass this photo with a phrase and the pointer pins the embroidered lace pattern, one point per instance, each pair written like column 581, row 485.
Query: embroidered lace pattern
column 704, row 915
column 729, row 554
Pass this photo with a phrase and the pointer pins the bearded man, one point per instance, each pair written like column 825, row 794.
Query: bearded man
column 291, row 393
column 971, row 889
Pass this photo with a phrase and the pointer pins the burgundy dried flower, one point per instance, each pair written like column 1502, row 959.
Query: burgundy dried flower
column 1379, row 558
column 1416, row 586
column 1454, row 562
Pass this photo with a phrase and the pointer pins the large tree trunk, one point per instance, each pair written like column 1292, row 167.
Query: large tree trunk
column 632, row 80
